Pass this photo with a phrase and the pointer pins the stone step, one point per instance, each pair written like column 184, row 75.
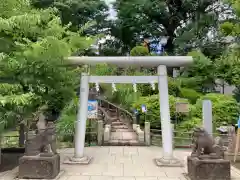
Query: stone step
column 117, row 123
column 120, row 127
column 123, row 143
column 122, row 130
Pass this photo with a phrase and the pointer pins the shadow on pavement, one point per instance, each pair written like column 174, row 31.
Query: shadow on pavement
column 10, row 158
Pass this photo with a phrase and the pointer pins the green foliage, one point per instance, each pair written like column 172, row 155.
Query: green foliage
column 201, row 74
column 10, row 8
column 139, row 51
column 152, row 103
column 173, row 87
column 16, row 108
column 224, row 107
column 66, row 123
column 158, row 18
column 190, row 94
column 103, row 70
column 7, row 89
column 189, row 125
column 232, row 27
column 228, row 67
column 77, row 12
column 125, row 96
column 35, row 45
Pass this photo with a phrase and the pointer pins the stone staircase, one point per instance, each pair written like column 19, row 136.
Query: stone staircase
column 121, row 132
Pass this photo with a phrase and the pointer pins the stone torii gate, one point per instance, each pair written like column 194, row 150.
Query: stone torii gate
column 161, row 62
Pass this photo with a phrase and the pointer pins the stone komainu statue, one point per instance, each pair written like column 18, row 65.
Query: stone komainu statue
column 205, row 146
column 41, row 142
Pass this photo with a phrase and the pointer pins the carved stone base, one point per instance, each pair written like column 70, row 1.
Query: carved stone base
column 39, row 167
column 61, row 173
column 84, row 160
column 173, row 162
column 208, row 169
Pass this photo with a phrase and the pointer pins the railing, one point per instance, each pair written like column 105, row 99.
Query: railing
column 117, row 109
column 180, row 139
column 64, row 140
column 67, row 140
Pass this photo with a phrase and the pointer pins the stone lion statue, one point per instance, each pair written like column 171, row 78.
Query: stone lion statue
column 205, row 146
column 42, row 142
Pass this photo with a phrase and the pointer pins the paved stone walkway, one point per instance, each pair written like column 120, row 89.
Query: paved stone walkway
column 121, row 163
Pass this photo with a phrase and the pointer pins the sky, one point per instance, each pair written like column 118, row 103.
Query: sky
column 112, row 12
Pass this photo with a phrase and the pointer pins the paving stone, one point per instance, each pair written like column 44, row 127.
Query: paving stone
column 113, row 170
column 161, row 178
column 93, row 170
column 133, row 170
column 122, row 163
column 104, row 159
column 114, row 150
column 155, row 172
column 130, row 151
column 123, row 160
column 101, row 178
column 124, row 178
column 64, row 177
column 146, row 178
column 79, row 178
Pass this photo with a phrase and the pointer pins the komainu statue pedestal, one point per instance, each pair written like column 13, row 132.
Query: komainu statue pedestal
column 41, row 160
column 39, row 167
column 207, row 158
column 208, row 169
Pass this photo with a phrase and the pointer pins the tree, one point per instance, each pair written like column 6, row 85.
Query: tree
column 78, row 12
column 200, row 75
column 139, row 51
column 232, row 26
column 34, row 59
column 185, row 23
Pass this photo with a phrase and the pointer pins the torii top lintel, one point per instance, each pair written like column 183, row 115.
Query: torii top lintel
column 136, row 61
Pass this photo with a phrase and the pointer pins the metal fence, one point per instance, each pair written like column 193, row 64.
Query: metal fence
column 180, row 139
column 63, row 140
column 67, row 140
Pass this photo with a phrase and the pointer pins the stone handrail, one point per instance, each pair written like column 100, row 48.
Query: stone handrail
column 113, row 107
column 140, row 134
column 105, row 116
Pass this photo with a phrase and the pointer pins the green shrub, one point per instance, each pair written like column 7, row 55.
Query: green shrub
column 124, row 96
column 139, row 51
column 66, row 123
column 224, row 107
column 153, row 114
column 190, row 94
column 173, row 88
column 189, row 125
